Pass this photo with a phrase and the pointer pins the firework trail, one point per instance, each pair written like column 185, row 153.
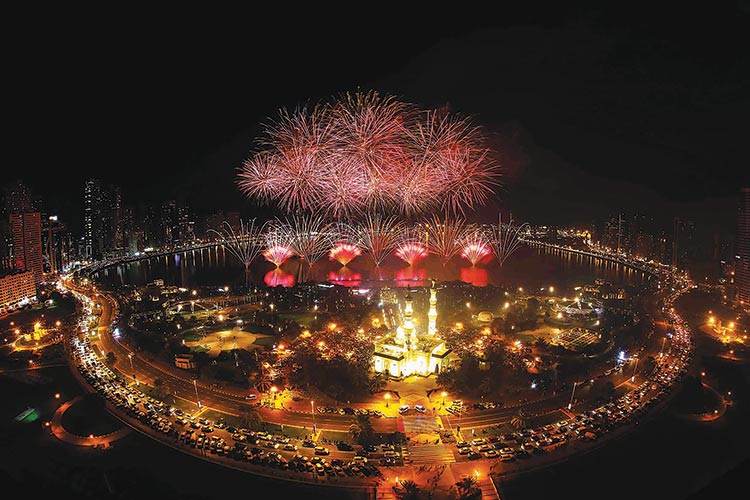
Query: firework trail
column 377, row 236
column 475, row 246
column 504, row 239
column 444, row 236
column 244, row 244
column 363, row 152
column 411, row 247
column 310, row 237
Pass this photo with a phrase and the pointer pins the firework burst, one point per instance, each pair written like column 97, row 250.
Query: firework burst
column 505, row 239
column 365, row 152
column 410, row 247
column 475, row 246
column 277, row 254
column 444, row 236
column 310, row 237
column 344, row 252
column 244, row 244
column 377, row 236
column 278, row 245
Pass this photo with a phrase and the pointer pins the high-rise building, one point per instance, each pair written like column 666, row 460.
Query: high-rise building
column 27, row 243
column 102, row 219
column 58, row 244
column 90, row 204
column 17, row 199
column 683, row 242
column 742, row 257
column 169, row 221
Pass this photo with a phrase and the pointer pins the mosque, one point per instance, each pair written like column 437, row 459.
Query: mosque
column 407, row 350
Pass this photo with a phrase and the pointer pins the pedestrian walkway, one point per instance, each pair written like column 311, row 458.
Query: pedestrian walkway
column 96, row 441
column 430, row 454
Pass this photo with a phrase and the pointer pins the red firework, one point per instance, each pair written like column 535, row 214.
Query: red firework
column 277, row 254
column 344, row 253
column 362, row 152
column 411, row 252
column 475, row 251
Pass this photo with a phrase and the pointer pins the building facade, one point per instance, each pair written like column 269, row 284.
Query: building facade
column 27, row 243
column 16, row 289
column 742, row 256
column 409, row 351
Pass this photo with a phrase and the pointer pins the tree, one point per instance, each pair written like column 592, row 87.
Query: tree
column 468, row 489
column 160, row 390
column 408, row 490
column 520, row 420
column 111, row 358
column 366, row 434
column 250, row 418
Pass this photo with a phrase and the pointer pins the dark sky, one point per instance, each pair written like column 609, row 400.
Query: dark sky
column 592, row 109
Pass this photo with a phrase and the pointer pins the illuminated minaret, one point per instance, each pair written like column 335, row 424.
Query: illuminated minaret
column 432, row 314
column 408, row 312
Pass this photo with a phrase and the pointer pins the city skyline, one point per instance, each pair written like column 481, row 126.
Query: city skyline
column 450, row 252
column 601, row 107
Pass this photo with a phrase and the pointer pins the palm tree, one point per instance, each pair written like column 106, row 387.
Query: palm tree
column 250, row 418
column 407, row 490
column 378, row 382
column 159, row 391
column 468, row 489
column 355, row 430
column 365, row 434
column 521, row 420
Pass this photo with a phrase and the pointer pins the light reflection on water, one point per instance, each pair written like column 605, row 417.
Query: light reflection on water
column 528, row 267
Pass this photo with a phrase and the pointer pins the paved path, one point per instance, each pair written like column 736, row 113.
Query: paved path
column 63, row 435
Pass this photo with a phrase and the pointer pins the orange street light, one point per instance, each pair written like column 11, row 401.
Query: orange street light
column 387, row 398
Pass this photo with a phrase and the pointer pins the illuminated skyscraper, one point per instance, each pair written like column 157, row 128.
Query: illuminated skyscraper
column 742, row 255
column 27, row 243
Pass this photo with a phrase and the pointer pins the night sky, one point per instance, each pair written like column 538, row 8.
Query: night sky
column 592, row 110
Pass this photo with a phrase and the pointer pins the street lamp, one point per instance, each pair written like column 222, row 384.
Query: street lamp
column 387, row 399
column 570, row 405
column 273, row 391
column 632, row 379
column 312, row 410
column 130, row 357
column 443, row 394
column 197, row 399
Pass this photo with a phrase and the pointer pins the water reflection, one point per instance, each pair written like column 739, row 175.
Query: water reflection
column 345, row 277
column 278, row 277
column 411, row 276
column 477, row 276
column 532, row 267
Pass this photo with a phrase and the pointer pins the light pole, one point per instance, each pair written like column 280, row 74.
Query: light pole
column 387, row 398
column 570, row 405
column 312, row 410
column 632, row 379
column 663, row 341
column 273, row 391
column 443, row 394
column 130, row 357
column 197, row 399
